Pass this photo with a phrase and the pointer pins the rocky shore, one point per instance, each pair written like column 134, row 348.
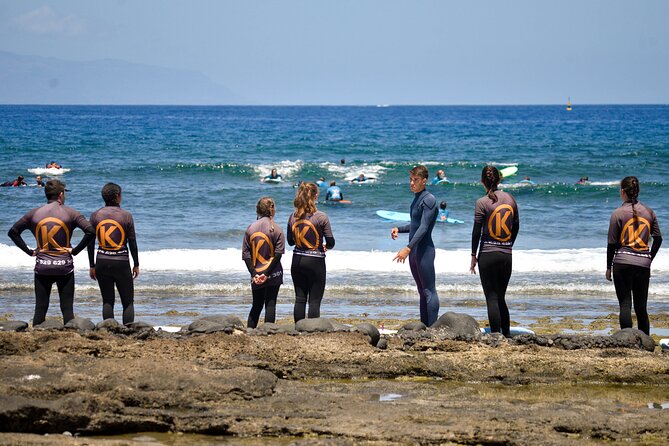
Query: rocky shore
column 327, row 383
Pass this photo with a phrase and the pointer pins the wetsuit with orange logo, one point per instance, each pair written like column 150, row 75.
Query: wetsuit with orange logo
column 630, row 253
column 423, row 213
column 262, row 249
column 115, row 233
column 496, row 226
column 308, row 266
column 52, row 225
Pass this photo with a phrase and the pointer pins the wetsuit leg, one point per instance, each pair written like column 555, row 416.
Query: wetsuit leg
column 495, row 272
column 317, row 289
column 631, row 280
column 271, row 293
column 422, row 269
column 126, row 290
column 43, row 286
column 105, row 279
column 640, row 298
column 256, row 307
column 65, row 286
column 309, row 281
column 301, row 283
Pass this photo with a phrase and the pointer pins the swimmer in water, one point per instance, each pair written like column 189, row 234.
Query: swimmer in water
column 262, row 249
column 443, row 212
column 440, row 177
column 334, row 192
column 52, row 225
column 307, row 227
column 496, row 225
column 629, row 253
column 420, row 249
column 115, row 231
column 273, row 175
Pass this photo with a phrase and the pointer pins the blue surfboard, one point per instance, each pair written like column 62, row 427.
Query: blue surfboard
column 405, row 217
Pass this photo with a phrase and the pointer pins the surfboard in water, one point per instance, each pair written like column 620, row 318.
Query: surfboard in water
column 272, row 180
column 337, row 202
column 508, row 171
column 405, row 217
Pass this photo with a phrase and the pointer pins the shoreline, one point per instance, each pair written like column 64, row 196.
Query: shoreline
column 326, row 389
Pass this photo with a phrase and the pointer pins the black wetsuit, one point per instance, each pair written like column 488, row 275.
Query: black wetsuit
column 262, row 249
column 115, row 231
column 630, row 254
column 423, row 212
column 496, row 226
column 308, row 266
column 52, row 225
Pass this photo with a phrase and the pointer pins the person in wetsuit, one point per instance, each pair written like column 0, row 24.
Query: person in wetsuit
column 333, row 192
column 630, row 253
column 307, row 227
column 443, row 211
column 496, row 226
column 115, row 232
column 52, row 225
column 420, row 249
column 262, row 248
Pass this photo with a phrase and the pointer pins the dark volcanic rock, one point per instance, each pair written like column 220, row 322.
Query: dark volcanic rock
column 108, row 324
column 81, row 324
column 413, row 326
column 459, row 324
column 50, row 324
column 314, row 325
column 13, row 326
column 371, row 331
column 635, row 337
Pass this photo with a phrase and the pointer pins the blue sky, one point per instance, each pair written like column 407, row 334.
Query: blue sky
column 370, row 51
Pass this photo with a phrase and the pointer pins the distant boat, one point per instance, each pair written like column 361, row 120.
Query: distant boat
column 568, row 104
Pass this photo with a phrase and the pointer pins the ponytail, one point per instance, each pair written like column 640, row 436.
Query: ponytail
column 490, row 179
column 305, row 199
column 630, row 185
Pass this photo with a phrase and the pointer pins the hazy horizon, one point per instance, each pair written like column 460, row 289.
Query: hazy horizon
column 313, row 52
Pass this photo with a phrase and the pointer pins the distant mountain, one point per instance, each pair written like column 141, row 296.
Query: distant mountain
column 42, row 80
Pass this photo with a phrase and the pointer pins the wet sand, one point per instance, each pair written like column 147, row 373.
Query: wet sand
column 325, row 388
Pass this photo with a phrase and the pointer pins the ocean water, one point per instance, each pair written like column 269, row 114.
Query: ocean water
column 191, row 178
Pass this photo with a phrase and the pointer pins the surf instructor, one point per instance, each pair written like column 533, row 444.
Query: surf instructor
column 420, row 249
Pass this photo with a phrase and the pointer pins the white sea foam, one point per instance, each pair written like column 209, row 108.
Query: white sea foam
column 350, row 171
column 285, row 168
column 572, row 261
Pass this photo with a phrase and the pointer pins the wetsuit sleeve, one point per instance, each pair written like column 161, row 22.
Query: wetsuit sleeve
column 476, row 236
column 249, row 266
column 134, row 252
column 657, row 242
column 404, row 229
column 91, row 253
column 610, row 253
column 289, row 234
column 327, row 233
column 89, row 234
column 613, row 242
column 15, row 233
column 429, row 212
column 516, row 223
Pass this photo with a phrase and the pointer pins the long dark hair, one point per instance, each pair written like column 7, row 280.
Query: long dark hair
column 630, row 185
column 490, row 179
